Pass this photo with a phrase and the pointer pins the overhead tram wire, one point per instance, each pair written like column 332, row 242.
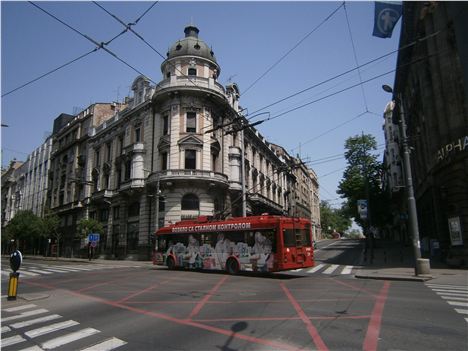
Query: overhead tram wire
column 334, row 128
column 293, row 48
column 50, row 72
column 348, row 71
column 139, row 36
column 76, row 59
column 98, row 45
column 355, row 56
column 353, row 86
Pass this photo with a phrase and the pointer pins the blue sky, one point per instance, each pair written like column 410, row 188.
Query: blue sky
column 247, row 38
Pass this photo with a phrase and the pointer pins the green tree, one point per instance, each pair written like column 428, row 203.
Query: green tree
column 89, row 225
column 335, row 219
column 24, row 227
column 362, row 180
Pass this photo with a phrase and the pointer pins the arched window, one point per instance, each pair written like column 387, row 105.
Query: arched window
column 190, row 202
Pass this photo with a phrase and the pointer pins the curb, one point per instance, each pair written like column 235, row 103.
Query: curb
column 394, row 277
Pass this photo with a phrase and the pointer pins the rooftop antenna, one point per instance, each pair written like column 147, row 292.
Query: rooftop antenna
column 229, row 80
column 118, row 93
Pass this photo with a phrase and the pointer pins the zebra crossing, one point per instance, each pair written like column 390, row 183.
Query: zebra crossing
column 48, row 332
column 326, row 269
column 455, row 295
column 38, row 270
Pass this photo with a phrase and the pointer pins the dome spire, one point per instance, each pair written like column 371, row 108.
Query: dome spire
column 191, row 31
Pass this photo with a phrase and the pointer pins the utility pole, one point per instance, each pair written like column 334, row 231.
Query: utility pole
column 413, row 215
column 421, row 266
column 244, row 199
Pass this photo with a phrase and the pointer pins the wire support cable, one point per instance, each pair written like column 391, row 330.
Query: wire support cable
column 354, row 86
column 293, row 48
column 50, row 72
column 355, row 56
column 347, row 72
column 98, row 45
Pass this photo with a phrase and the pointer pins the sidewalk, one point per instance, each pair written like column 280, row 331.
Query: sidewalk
column 123, row 263
column 392, row 261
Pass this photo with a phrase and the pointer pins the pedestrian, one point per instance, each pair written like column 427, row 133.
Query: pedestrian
column 90, row 251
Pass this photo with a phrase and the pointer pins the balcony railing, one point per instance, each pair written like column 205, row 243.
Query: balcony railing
column 132, row 184
column 102, row 194
column 192, row 174
column 265, row 201
column 200, row 82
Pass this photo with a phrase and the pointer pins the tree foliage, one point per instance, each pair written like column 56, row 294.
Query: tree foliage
column 24, row 225
column 50, row 225
column 89, row 225
column 362, row 180
column 336, row 219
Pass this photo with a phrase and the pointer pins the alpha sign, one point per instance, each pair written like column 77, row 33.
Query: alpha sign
column 459, row 145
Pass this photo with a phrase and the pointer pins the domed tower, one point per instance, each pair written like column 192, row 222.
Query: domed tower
column 191, row 165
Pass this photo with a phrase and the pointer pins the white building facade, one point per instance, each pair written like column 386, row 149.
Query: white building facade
column 175, row 153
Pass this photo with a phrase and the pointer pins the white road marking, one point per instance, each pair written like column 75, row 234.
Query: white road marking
column 25, row 314
column 35, row 321
column 5, row 329
column 28, row 273
column 50, row 328
column 347, row 270
column 32, row 348
column 448, row 293
column 296, row 270
column 7, row 273
column 19, row 308
column 38, row 271
column 315, row 269
column 80, row 268
column 12, row 340
column 331, row 269
column 53, row 343
column 458, row 303
column 457, row 287
column 55, row 270
column 461, row 311
column 455, row 298
column 106, row 345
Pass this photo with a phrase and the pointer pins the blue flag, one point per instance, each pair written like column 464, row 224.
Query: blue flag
column 386, row 17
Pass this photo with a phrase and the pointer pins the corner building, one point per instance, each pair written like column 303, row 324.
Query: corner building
column 175, row 153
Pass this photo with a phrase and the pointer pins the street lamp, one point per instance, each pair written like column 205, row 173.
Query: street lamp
column 421, row 265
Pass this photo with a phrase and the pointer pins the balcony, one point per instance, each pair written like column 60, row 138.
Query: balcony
column 134, row 148
column 195, row 83
column 102, row 195
column 189, row 174
column 132, row 184
column 259, row 199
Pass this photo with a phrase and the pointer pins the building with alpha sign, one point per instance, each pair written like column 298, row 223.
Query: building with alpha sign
column 432, row 86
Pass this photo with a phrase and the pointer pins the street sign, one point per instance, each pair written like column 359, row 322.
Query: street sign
column 93, row 237
column 93, row 243
column 16, row 258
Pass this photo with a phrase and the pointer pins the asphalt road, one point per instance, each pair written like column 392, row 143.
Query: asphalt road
column 141, row 307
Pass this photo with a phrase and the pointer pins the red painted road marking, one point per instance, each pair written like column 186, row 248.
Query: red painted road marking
column 266, row 342
column 353, row 287
column 205, row 299
column 145, row 290
column 310, row 328
column 334, row 318
column 373, row 330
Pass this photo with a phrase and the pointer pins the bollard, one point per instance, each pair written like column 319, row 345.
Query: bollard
column 423, row 266
column 13, row 285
